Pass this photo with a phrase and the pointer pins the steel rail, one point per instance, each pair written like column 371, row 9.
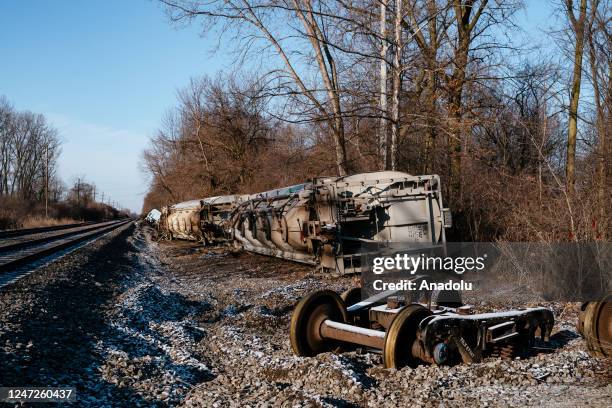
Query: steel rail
column 28, row 231
column 10, row 262
column 13, row 246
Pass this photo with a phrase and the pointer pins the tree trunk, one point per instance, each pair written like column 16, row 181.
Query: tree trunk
column 340, row 146
column 578, row 28
column 431, row 55
column 383, row 126
column 456, row 113
column 429, row 161
column 397, row 82
column 466, row 19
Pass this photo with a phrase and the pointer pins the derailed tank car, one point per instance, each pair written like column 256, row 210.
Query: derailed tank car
column 327, row 221
column 204, row 220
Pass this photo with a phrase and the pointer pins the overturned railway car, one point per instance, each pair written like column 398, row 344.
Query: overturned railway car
column 324, row 222
column 327, row 221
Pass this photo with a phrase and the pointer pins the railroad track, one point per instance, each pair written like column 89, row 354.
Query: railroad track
column 28, row 231
column 21, row 249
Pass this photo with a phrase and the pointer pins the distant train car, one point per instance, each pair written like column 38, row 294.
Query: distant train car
column 153, row 217
column 327, row 221
column 199, row 220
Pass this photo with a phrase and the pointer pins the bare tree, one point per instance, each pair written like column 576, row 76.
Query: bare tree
column 7, row 124
column 466, row 18
column 29, row 147
column 429, row 42
column 313, row 29
column 453, row 46
column 211, row 143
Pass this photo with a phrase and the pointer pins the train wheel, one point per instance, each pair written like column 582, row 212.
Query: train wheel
column 401, row 335
column 307, row 318
column 351, row 296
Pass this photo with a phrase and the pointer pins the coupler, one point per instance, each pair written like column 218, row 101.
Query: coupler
column 408, row 334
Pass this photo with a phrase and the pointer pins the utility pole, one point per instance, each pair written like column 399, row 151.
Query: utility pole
column 78, row 192
column 47, row 180
column 94, row 193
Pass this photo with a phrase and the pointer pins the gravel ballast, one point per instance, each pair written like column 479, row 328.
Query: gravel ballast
column 133, row 322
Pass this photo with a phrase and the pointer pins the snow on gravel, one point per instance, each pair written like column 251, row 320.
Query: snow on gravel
column 155, row 331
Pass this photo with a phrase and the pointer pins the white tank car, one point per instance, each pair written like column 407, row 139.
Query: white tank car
column 327, row 221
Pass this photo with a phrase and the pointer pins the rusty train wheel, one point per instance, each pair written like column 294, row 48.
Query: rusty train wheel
column 595, row 325
column 401, row 335
column 310, row 312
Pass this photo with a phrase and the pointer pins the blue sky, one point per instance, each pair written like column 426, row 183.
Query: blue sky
column 104, row 73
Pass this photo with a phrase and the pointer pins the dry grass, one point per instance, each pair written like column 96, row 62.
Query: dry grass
column 41, row 221
column 16, row 212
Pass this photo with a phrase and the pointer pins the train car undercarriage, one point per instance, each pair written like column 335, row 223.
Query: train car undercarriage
column 412, row 333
